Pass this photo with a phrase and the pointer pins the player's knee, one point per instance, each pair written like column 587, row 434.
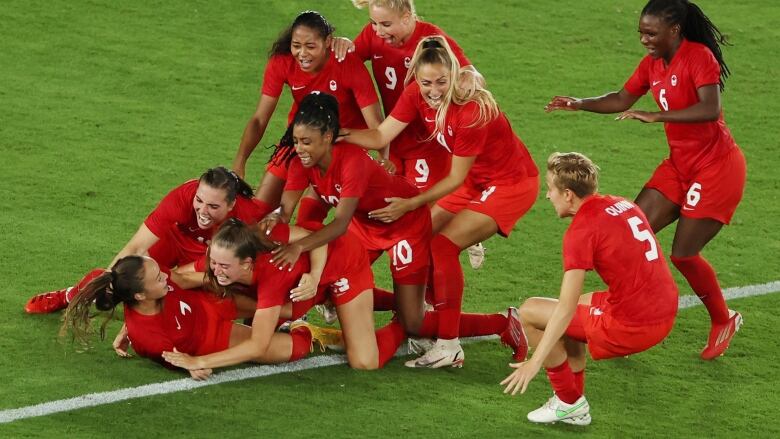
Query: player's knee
column 363, row 362
column 530, row 311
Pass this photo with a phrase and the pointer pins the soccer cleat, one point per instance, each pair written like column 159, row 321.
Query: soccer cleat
column 419, row 346
column 328, row 313
column 476, row 255
column 555, row 410
column 444, row 353
column 45, row 303
column 326, row 338
column 514, row 335
column 721, row 335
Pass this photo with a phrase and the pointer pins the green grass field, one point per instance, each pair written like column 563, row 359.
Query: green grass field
column 106, row 106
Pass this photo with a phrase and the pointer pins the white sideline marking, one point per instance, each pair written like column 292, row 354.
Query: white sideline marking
column 95, row 399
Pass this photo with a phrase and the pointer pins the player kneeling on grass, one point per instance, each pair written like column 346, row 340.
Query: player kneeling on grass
column 609, row 235
column 160, row 316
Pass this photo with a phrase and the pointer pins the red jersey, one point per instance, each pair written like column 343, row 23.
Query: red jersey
column 176, row 211
column 692, row 146
column 348, row 81
column 354, row 174
column 502, row 158
column 194, row 322
column 612, row 236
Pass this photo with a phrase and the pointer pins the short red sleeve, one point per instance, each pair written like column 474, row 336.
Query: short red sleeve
column 274, row 285
column 275, row 76
column 578, row 249
column 639, row 82
column 458, row 52
column 176, row 207
column 405, row 109
column 363, row 43
column 280, row 233
column 360, row 81
column 705, row 69
column 355, row 172
column 200, row 264
column 297, row 178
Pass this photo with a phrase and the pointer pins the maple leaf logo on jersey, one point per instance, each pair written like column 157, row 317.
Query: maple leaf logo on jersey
column 449, row 130
column 338, row 188
column 407, row 62
column 674, row 80
column 333, row 85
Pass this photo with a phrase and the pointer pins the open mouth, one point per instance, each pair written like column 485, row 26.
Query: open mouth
column 306, row 160
column 204, row 221
column 305, row 64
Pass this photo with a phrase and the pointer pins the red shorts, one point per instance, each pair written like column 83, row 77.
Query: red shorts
column 409, row 248
column 713, row 193
column 350, row 285
column 609, row 338
column 217, row 323
column 506, row 204
column 175, row 249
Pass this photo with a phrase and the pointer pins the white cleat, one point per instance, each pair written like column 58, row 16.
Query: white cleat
column 476, row 255
column 444, row 353
column 555, row 410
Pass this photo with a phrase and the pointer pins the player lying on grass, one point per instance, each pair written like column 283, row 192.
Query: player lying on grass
column 611, row 236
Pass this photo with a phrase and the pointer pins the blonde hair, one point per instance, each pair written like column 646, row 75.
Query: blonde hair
column 436, row 50
column 399, row 6
column 573, row 171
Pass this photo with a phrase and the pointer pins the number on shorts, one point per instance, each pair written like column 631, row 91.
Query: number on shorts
column 402, row 253
column 643, row 235
column 486, row 193
column 694, row 195
column 392, row 77
column 421, row 166
column 662, row 98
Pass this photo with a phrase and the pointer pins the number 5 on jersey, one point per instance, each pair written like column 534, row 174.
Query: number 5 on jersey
column 643, row 235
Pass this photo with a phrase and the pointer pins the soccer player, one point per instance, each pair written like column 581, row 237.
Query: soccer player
column 702, row 181
column 159, row 316
column 178, row 229
column 302, row 59
column 492, row 182
column 389, row 41
column 611, row 236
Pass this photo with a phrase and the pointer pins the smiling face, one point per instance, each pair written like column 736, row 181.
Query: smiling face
column 393, row 27
column 659, row 38
column 155, row 282
column 227, row 267
column 434, row 82
column 309, row 48
column 311, row 145
column 211, row 206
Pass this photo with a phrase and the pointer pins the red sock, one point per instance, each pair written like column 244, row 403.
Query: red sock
column 95, row 272
column 579, row 381
column 471, row 325
column 311, row 210
column 448, row 285
column 301, row 343
column 383, row 300
column 702, row 279
column 563, row 383
column 388, row 339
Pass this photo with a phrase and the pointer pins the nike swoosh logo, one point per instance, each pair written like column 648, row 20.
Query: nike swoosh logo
column 401, row 268
column 430, row 120
column 377, row 56
column 656, row 83
column 563, row 413
column 687, row 208
column 298, row 87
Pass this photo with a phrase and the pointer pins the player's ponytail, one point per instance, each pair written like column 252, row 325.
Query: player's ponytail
column 694, row 26
column 106, row 291
column 312, row 20
column 222, row 178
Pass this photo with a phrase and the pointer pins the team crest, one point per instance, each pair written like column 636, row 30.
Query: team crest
column 449, row 130
column 407, row 62
column 333, row 85
column 674, row 80
column 338, row 188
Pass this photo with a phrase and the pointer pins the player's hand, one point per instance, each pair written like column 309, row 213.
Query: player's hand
column 285, row 256
column 268, row 223
column 341, row 46
column 563, row 103
column 306, row 289
column 239, row 169
column 388, row 165
column 643, row 116
column 396, row 209
column 200, row 374
column 342, row 136
column 180, row 359
column 121, row 343
column 519, row 379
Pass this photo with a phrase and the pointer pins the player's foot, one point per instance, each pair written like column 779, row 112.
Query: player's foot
column 555, row 410
column 514, row 335
column 45, row 303
column 444, row 353
column 721, row 335
column 328, row 313
column 325, row 338
column 419, row 346
column 476, row 255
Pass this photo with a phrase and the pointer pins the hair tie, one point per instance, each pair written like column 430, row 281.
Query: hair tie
column 431, row 43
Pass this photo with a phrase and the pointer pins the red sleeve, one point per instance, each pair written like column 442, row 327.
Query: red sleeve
column 705, row 69
column 280, row 233
column 355, row 172
column 405, row 109
column 274, row 285
column 363, row 43
column 176, row 207
column 578, row 248
column 469, row 140
column 200, row 264
column 275, row 76
column 639, row 82
column 359, row 81
column 297, row 178
column 462, row 59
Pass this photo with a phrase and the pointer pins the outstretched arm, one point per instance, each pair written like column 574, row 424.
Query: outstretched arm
column 613, row 102
column 376, row 138
column 706, row 110
column 139, row 244
column 254, row 131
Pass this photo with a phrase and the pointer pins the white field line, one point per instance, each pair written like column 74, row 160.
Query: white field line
column 95, row 399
